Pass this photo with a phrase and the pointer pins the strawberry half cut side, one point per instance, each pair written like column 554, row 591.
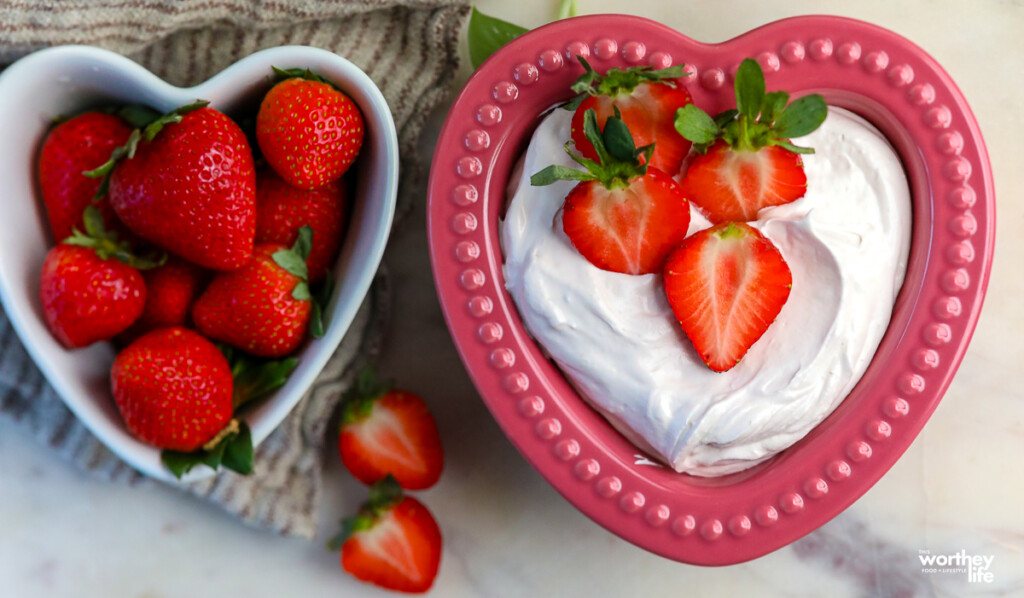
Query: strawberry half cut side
column 393, row 541
column 745, row 160
column 726, row 285
column 389, row 432
column 623, row 216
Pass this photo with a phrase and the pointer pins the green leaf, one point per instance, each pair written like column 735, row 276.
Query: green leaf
column 384, row 493
column 93, row 220
column 238, row 450
column 304, row 242
column 177, row 462
column 255, row 378
column 486, row 34
column 291, row 262
column 555, row 173
column 750, row 88
column 234, row 451
column 301, row 292
column 567, row 8
column 696, row 125
column 726, row 116
column 618, row 139
column 801, row 117
column 299, row 73
column 316, row 321
column 317, row 316
column 796, row 149
column 594, row 135
column 138, row 116
column 773, row 105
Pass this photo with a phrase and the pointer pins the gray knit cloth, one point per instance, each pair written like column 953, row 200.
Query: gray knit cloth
column 407, row 47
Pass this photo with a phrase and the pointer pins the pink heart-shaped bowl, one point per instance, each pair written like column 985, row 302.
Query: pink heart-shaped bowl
column 730, row 519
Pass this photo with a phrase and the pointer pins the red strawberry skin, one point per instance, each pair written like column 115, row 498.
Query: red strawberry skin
column 170, row 291
column 401, row 551
column 649, row 112
column 86, row 298
column 252, row 308
column 281, row 210
column 82, row 143
column 726, row 285
column 628, row 230
column 732, row 186
column 173, row 388
column 192, row 191
column 398, row 436
column 309, row 132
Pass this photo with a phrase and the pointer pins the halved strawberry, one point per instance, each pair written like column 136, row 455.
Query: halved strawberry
column 726, row 285
column 732, row 186
column 646, row 98
column 385, row 431
column 624, row 216
column 393, row 542
column 745, row 161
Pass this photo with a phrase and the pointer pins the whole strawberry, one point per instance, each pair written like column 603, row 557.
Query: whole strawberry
column 189, row 186
column 645, row 99
column 386, row 431
column 393, row 542
column 744, row 160
column 264, row 307
column 624, row 215
column 173, row 389
column 170, row 291
column 90, row 286
column 73, row 147
column 309, row 132
column 281, row 210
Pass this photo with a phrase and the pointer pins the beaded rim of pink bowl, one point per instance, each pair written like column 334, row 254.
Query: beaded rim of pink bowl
column 859, row 66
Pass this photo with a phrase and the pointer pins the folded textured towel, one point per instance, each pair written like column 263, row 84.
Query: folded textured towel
column 407, row 47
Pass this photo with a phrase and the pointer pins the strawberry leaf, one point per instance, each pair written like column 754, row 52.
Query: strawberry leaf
column 290, row 262
column 567, row 9
column 384, row 494
column 255, row 378
column 801, row 117
column 486, row 34
column 301, row 292
column 556, row 172
column 238, row 451
column 773, row 105
column 299, row 73
column 238, row 440
column 618, row 139
column 304, row 242
column 317, row 319
column 138, row 116
column 358, row 400
column 750, row 88
column 105, row 242
column 696, row 125
column 615, row 169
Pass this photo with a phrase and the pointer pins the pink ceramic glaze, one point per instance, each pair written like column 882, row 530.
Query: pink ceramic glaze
column 719, row 521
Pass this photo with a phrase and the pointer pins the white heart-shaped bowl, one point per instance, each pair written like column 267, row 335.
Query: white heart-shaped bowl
column 70, row 79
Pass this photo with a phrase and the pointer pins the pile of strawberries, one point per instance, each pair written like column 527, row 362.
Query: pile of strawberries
column 647, row 152
column 206, row 265
column 389, row 440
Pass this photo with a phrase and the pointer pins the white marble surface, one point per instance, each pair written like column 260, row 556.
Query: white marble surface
column 507, row 533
